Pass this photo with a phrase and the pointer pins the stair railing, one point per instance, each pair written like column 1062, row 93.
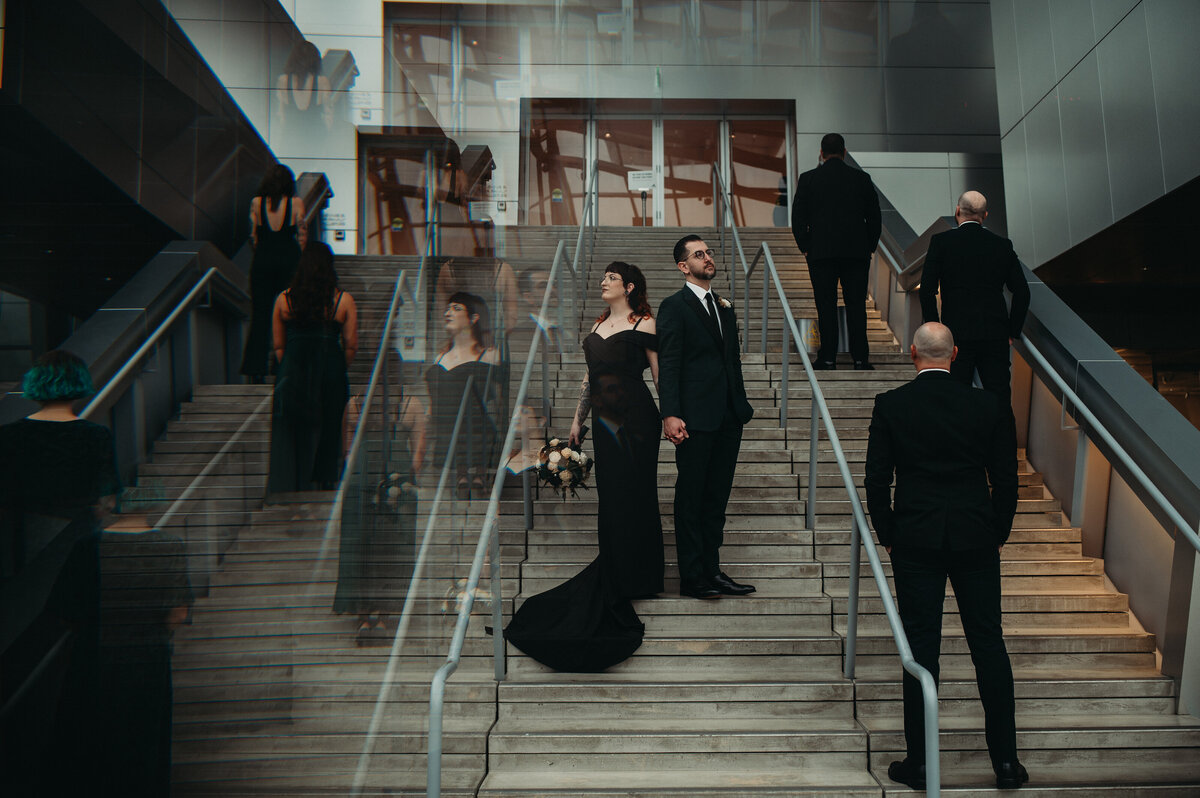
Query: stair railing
column 860, row 532
column 488, row 545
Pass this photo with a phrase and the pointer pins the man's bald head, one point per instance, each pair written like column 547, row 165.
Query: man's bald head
column 972, row 206
column 933, row 346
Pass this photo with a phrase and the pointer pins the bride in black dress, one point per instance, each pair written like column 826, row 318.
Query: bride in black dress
column 588, row 623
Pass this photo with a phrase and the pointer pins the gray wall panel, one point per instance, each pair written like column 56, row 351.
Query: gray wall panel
column 1047, row 183
column 1070, row 24
column 1130, row 119
column 1035, row 50
column 1137, row 555
column 931, row 100
column 1128, row 108
column 1175, row 64
column 1085, row 158
column 1016, row 192
column 821, row 100
column 1107, row 13
column 1004, row 45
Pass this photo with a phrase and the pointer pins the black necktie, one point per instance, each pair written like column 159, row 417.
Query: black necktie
column 712, row 310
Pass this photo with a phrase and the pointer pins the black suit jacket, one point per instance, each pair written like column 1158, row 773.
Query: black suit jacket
column 836, row 212
column 943, row 441
column 972, row 265
column 699, row 370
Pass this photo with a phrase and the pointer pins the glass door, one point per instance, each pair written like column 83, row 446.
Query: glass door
column 623, row 146
column 758, row 172
column 689, row 149
column 556, row 168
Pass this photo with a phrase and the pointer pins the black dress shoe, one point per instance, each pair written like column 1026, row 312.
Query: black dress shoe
column 699, row 591
column 728, row 587
column 1010, row 775
column 906, row 772
column 862, row 365
column 824, row 365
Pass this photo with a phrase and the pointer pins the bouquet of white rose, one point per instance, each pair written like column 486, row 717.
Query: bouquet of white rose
column 562, row 468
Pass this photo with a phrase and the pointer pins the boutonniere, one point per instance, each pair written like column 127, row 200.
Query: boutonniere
column 725, row 303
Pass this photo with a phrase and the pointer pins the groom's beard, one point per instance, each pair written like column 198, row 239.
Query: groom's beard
column 702, row 272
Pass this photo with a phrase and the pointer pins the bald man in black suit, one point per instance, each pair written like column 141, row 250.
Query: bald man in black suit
column 972, row 266
column 944, row 442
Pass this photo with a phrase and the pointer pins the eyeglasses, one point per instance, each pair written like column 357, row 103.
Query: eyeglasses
column 701, row 254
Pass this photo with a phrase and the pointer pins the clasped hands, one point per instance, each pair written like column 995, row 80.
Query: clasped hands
column 675, row 429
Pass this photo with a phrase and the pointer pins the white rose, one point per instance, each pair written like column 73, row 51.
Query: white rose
column 568, row 453
column 578, row 457
column 565, row 477
column 554, row 442
column 555, row 457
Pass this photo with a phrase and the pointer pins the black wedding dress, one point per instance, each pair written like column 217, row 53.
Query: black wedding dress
column 587, row 623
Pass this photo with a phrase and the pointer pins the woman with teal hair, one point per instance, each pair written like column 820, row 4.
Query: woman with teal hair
column 59, row 475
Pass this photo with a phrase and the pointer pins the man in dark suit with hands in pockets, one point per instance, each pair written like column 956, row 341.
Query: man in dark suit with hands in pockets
column 972, row 266
column 944, row 442
column 702, row 398
column 836, row 223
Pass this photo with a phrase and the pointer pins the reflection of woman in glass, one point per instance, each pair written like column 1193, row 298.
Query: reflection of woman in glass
column 588, row 623
column 276, row 215
column 316, row 335
column 145, row 596
column 378, row 537
column 303, row 96
column 468, row 354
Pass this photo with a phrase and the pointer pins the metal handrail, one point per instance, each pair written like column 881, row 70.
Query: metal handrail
column 860, row 533
column 1095, row 426
column 152, row 341
column 489, row 544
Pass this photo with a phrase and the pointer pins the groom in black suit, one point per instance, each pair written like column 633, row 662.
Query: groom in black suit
column 703, row 403
column 944, row 442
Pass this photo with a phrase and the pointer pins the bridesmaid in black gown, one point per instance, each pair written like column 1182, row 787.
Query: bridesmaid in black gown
column 588, row 623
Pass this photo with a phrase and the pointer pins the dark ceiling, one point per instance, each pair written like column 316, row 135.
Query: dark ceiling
column 68, row 236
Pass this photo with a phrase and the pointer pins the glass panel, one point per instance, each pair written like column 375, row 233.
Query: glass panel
column 623, row 146
column 689, row 150
column 554, row 180
column 758, row 170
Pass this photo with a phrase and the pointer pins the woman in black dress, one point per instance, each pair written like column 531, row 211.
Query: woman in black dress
column 467, row 357
column 275, row 217
column 588, row 623
column 59, row 474
column 316, row 335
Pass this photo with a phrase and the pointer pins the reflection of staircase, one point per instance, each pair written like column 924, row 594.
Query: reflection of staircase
column 738, row 697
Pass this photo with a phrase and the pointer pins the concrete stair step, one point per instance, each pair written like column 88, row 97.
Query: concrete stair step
column 709, row 782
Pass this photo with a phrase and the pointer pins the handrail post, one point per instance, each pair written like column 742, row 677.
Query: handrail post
column 766, row 307
column 852, row 598
column 500, row 668
column 783, row 382
column 814, row 436
column 433, row 778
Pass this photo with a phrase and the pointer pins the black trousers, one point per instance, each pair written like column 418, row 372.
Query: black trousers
column 920, row 593
column 706, row 463
column 852, row 273
column 990, row 358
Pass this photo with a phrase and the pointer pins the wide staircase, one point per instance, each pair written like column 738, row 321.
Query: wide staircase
column 736, row 697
